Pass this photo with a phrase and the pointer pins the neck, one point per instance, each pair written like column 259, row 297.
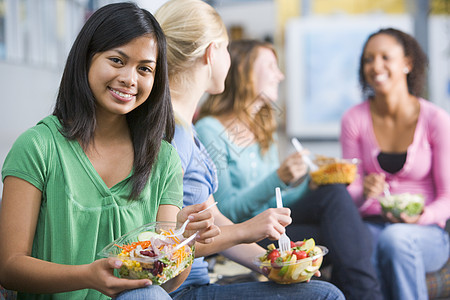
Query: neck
column 185, row 97
column 395, row 105
column 110, row 128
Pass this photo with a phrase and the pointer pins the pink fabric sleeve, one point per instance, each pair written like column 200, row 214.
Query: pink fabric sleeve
column 438, row 130
column 349, row 140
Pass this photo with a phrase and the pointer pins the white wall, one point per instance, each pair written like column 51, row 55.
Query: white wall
column 258, row 18
column 28, row 95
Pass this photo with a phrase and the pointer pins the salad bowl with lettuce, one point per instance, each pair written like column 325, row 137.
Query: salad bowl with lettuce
column 148, row 253
column 411, row 204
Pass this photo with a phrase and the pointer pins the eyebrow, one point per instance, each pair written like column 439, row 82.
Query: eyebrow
column 142, row 61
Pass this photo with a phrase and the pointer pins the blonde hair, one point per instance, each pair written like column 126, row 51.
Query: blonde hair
column 190, row 27
column 240, row 93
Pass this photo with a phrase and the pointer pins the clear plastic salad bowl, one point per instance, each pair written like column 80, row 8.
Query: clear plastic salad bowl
column 288, row 267
column 147, row 253
column 334, row 170
column 411, row 204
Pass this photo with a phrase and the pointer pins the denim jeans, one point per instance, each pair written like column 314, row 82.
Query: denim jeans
column 329, row 215
column 150, row 292
column 314, row 289
column 404, row 253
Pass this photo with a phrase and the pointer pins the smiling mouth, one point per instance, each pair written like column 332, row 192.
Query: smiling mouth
column 381, row 78
column 122, row 95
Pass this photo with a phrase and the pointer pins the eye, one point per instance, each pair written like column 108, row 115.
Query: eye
column 146, row 69
column 116, row 60
column 367, row 60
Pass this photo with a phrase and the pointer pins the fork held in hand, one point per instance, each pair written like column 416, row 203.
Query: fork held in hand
column 298, row 146
column 181, row 230
column 284, row 243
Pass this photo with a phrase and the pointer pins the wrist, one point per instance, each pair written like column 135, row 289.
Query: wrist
column 83, row 276
column 241, row 232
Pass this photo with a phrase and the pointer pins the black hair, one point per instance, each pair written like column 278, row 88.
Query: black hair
column 111, row 26
column 416, row 78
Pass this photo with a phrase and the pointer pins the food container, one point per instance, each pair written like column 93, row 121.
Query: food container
column 289, row 268
column 147, row 253
column 411, row 204
column 334, row 170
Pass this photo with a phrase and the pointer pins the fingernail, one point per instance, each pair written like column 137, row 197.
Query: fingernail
column 191, row 218
column 148, row 283
column 118, row 263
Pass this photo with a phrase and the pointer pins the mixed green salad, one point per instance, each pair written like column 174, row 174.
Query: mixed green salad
column 411, row 204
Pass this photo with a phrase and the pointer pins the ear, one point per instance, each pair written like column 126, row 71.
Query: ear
column 408, row 63
column 209, row 53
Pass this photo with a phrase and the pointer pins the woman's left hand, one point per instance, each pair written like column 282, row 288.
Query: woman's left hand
column 201, row 222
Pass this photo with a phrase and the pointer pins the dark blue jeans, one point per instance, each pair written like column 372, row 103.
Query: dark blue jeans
column 329, row 215
column 315, row 289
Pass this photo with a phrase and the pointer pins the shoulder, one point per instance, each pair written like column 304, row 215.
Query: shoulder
column 433, row 113
column 357, row 114
column 40, row 135
column 208, row 124
column 167, row 154
column 182, row 136
column 357, row 110
column 209, row 129
column 183, row 144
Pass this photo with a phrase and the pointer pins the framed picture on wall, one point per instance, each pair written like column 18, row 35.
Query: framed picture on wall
column 322, row 61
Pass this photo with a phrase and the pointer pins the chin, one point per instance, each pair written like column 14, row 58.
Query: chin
column 216, row 91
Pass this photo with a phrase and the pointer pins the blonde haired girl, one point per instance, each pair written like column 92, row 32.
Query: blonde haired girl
column 198, row 62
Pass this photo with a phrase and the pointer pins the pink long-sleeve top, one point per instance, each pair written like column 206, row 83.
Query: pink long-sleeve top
column 427, row 167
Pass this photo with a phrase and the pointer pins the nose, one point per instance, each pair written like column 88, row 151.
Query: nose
column 128, row 77
column 280, row 75
column 377, row 64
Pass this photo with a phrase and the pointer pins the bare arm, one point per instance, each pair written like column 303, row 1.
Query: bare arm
column 19, row 271
column 237, row 241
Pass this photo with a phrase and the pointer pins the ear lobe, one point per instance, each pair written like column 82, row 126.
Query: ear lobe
column 408, row 66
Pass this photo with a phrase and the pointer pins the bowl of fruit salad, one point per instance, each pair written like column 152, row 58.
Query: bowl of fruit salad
column 150, row 252
column 298, row 264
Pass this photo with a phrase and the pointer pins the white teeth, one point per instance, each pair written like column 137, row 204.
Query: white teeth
column 122, row 94
column 381, row 77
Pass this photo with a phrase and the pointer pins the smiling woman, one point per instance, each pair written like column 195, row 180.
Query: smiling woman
column 402, row 142
column 122, row 78
column 97, row 168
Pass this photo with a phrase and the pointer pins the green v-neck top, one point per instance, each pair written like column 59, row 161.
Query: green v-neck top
column 79, row 215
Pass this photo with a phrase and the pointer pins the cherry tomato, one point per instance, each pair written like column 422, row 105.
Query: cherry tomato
column 300, row 254
column 273, row 255
column 293, row 245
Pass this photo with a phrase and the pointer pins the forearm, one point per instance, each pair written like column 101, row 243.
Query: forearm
column 229, row 237
column 244, row 254
column 28, row 274
column 232, row 244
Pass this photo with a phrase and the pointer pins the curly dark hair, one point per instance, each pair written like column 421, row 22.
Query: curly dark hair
column 416, row 78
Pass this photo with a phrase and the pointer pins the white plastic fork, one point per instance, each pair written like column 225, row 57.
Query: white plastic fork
column 180, row 231
column 298, row 146
column 386, row 191
column 184, row 242
column 284, row 243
